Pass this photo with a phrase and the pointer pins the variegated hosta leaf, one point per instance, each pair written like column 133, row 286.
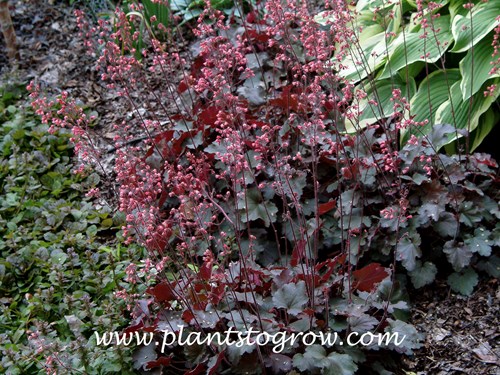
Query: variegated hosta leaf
column 422, row 45
column 364, row 57
column 475, row 67
column 487, row 123
column 468, row 30
column 465, row 114
column 382, row 93
column 432, row 92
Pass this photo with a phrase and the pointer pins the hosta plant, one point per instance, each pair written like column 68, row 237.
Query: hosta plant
column 443, row 56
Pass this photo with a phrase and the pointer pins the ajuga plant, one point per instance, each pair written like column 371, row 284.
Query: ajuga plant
column 57, row 278
column 261, row 213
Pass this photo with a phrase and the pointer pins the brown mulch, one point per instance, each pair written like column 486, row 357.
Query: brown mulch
column 462, row 333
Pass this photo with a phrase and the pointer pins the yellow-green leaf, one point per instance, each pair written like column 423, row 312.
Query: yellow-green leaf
column 422, row 45
column 465, row 114
column 475, row 67
column 468, row 30
column 432, row 92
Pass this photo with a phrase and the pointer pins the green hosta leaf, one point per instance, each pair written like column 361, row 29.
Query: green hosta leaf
column 441, row 3
column 365, row 56
column 423, row 274
column 254, row 208
column 407, row 252
column 457, row 7
column 291, row 297
column 468, row 30
column 411, row 47
column 486, row 125
column 462, row 115
column 381, row 92
column 458, row 256
column 371, row 41
column 432, row 92
column 463, row 282
column 371, row 5
column 475, row 67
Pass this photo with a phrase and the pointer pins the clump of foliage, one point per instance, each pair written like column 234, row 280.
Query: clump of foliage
column 259, row 210
column 156, row 15
column 243, row 296
column 190, row 10
column 442, row 55
column 58, row 275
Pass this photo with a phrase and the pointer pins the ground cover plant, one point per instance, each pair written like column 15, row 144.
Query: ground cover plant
column 274, row 192
column 58, row 274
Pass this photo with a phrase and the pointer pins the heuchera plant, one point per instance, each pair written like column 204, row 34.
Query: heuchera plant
column 258, row 211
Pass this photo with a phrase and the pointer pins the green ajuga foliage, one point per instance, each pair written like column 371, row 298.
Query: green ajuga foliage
column 57, row 275
column 442, row 57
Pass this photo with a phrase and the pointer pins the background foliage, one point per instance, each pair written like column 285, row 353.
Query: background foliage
column 58, row 276
column 442, row 55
